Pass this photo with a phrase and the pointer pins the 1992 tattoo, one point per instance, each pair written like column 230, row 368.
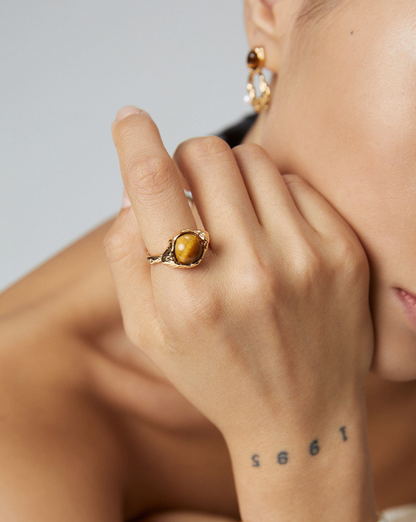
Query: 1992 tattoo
column 283, row 456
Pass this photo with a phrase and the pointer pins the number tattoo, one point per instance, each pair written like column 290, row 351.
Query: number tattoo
column 314, row 448
column 283, row 457
column 256, row 462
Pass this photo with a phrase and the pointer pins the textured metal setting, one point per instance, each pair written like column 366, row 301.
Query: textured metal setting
column 259, row 103
column 168, row 257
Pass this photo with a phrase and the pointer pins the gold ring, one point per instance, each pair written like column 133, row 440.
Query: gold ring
column 185, row 250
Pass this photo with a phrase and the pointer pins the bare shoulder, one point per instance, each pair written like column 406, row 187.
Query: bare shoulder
column 60, row 458
column 56, row 274
column 69, row 298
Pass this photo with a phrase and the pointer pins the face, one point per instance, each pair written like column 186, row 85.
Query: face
column 343, row 116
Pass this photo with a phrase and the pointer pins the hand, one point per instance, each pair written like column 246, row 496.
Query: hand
column 275, row 320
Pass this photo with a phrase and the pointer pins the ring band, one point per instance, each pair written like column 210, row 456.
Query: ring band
column 185, row 250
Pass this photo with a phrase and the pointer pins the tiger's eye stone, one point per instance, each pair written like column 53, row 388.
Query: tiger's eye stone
column 253, row 60
column 188, row 249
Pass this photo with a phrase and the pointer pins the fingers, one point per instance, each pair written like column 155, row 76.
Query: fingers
column 209, row 166
column 151, row 180
column 237, row 192
column 269, row 195
column 315, row 209
column 237, row 189
column 126, row 254
column 282, row 201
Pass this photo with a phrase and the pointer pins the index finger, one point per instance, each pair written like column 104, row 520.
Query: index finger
column 151, row 179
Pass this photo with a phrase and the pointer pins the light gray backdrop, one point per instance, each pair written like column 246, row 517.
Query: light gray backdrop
column 66, row 67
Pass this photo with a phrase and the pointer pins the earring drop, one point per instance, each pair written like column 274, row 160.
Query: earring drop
column 255, row 63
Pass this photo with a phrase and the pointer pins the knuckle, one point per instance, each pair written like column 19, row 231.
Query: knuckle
column 201, row 148
column 250, row 150
column 116, row 245
column 307, row 266
column 194, row 314
column 256, row 288
column 351, row 260
column 149, row 176
column 202, row 307
column 293, row 181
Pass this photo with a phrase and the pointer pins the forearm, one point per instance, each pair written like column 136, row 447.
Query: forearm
column 304, row 469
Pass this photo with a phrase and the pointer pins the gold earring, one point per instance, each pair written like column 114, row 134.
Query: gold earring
column 255, row 62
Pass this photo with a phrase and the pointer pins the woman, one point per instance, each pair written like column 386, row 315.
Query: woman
column 236, row 389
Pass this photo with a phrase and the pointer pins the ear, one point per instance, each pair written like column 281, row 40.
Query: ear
column 267, row 22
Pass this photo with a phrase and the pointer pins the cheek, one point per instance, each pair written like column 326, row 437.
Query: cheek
column 346, row 126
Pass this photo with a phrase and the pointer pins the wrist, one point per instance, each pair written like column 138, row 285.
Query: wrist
column 305, row 469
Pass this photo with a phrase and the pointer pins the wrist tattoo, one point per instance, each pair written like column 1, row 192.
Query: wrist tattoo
column 314, row 448
column 283, row 456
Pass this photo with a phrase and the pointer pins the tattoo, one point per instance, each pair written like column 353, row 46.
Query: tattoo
column 256, row 462
column 314, row 448
column 283, row 457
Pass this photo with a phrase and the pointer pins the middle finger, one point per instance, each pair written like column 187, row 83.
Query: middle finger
column 221, row 197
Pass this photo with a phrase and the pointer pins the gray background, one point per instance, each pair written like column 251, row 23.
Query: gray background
column 66, row 67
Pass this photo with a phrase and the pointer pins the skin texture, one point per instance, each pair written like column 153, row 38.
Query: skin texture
column 269, row 356
column 92, row 429
column 88, row 334
column 352, row 137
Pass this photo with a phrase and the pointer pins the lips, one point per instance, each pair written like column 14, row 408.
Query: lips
column 408, row 301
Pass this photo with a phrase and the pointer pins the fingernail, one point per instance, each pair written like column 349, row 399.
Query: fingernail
column 126, row 200
column 126, row 111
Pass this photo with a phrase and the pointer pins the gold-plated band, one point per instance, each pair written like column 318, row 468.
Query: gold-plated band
column 185, row 250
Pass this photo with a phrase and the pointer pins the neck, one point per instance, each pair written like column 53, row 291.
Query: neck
column 255, row 133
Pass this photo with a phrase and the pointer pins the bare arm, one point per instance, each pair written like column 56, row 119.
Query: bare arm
column 59, row 458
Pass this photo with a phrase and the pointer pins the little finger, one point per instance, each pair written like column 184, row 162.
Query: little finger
column 126, row 254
